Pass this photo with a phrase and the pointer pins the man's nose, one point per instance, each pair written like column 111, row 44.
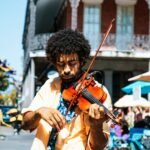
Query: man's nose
column 67, row 70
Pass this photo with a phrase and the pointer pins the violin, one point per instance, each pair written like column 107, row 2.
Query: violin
column 90, row 93
column 85, row 92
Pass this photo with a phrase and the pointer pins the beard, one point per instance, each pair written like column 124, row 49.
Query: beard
column 68, row 81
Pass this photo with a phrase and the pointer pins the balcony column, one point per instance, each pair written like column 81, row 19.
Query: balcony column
column 74, row 6
column 108, row 80
column 148, row 1
column 32, row 78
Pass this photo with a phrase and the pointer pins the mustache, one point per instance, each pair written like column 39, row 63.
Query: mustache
column 67, row 76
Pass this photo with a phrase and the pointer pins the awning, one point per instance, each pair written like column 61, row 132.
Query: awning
column 144, row 77
column 46, row 13
column 145, row 87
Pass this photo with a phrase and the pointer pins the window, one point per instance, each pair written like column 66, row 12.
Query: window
column 91, row 25
column 125, row 22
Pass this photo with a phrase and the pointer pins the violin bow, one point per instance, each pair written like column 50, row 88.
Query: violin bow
column 79, row 88
column 92, row 61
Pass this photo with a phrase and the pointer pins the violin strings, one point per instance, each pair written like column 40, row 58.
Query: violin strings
column 92, row 99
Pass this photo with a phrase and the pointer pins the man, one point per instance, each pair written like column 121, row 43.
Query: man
column 68, row 50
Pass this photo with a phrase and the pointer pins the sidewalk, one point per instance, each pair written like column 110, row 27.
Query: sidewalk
column 6, row 130
column 11, row 141
column 10, row 131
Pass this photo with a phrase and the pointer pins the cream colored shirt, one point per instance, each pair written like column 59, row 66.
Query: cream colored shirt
column 74, row 136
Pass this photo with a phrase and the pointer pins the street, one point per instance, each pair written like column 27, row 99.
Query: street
column 10, row 141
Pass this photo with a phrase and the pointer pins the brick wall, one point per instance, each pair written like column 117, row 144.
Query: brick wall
column 61, row 23
column 68, row 15
column 80, row 16
column 141, row 20
column 108, row 13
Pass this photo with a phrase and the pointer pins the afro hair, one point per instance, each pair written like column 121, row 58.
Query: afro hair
column 68, row 41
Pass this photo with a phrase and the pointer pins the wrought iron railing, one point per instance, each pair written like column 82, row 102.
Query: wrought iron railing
column 136, row 42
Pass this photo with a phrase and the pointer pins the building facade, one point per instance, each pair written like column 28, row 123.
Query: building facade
column 125, row 53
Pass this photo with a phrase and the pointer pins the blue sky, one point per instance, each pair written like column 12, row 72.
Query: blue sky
column 12, row 15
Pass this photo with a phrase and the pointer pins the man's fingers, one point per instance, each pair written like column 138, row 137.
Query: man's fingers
column 60, row 120
column 91, row 112
column 96, row 111
column 97, row 115
column 55, row 122
column 101, row 110
column 50, row 122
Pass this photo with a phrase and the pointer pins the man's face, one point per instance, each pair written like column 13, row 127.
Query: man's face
column 68, row 66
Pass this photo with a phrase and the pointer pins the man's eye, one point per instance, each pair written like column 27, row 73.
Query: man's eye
column 60, row 64
column 73, row 63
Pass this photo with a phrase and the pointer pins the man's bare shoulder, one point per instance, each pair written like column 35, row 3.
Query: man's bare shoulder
column 53, row 83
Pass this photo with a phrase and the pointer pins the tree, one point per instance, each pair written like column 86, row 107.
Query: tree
column 4, row 83
column 5, row 72
column 13, row 96
column 1, row 99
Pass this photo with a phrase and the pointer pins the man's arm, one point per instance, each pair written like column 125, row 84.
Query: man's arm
column 98, row 138
column 99, row 129
column 51, row 115
column 31, row 120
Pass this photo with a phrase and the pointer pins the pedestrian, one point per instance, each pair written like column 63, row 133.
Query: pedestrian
column 130, row 116
column 68, row 50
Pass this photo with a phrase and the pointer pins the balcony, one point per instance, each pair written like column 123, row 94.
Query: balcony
column 122, row 45
column 114, row 45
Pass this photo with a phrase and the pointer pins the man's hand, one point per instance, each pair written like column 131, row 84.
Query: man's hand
column 96, row 118
column 52, row 116
column 96, row 115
